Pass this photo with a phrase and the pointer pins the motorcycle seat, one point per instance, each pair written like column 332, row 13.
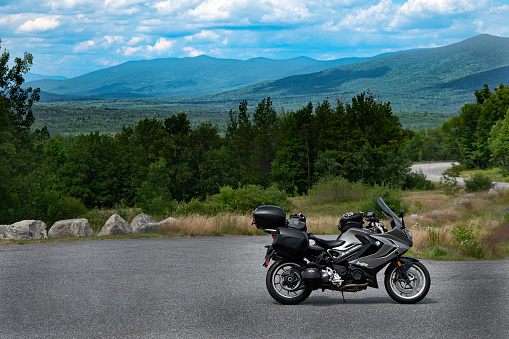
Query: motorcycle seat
column 328, row 244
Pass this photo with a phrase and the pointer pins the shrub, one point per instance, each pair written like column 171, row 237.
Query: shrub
column 390, row 195
column 449, row 179
column 337, row 189
column 478, row 182
column 468, row 241
column 241, row 200
column 246, row 198
column 417, row 181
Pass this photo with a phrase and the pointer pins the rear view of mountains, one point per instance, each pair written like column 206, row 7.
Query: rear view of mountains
column 435, row 80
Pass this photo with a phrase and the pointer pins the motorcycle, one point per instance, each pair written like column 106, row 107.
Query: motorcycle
column 304, row 263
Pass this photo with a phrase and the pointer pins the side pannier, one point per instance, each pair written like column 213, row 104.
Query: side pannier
column 290, row 242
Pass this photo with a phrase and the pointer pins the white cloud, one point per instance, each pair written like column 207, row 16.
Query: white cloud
column 83, row 46
column 108, row 40
column 174, row 6
column 217, row 10
column 288, row 11
column 136, row 40
column 39, row 25
column 192, row 52
column 203, row 36
column 162, row 45
column 127, row 51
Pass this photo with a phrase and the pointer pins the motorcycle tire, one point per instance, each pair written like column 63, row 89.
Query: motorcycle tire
column 284, row 283
column 403, row 292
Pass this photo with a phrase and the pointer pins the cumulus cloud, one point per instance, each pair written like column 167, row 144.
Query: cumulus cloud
column 203, row 36
column 192, row 52
column 39, row 25
column 83, row 46
column 128, row 51
column 162, row 45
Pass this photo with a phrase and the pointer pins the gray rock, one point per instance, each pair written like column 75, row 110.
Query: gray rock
column 168, row 222
column 4, row 231
column 24, row 230
column 115, row 225
column 71, row 228
column 144, row 223
column 493, row 191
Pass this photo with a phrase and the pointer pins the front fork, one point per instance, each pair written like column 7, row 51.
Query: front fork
column 403, row 264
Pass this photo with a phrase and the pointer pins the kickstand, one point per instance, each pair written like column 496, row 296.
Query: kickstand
column 343, row 294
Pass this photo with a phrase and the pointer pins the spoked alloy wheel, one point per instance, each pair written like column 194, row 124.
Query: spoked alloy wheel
column 284, row 283
column 407, row 292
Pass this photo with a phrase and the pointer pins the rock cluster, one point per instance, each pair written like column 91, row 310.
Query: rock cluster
column 23, row 230
column 36, row 229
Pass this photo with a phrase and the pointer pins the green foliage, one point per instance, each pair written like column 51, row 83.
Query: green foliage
column 417, row 181
column 245, row 199
column 449, row 179
column 499, row 143
column 478, row 182
column 337, row 189
column 467, row 241
column 154, row 193
column 392, row 197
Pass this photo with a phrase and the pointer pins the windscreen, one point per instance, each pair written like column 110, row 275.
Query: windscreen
column 387, row 210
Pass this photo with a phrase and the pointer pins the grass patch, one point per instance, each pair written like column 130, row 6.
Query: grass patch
column 494, row 174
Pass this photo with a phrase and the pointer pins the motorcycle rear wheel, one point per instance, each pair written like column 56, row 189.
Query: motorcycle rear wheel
column 403, row 292
column 284, row 283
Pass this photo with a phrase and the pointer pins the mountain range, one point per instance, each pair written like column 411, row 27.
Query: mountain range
column 438, row 79
column 181, row 76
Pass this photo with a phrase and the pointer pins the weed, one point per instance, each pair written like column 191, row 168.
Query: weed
column 468, row 242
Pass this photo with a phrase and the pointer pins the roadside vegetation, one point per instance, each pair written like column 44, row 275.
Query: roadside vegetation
column 322, row 160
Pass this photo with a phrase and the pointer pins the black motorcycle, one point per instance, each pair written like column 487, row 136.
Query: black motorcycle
column 304, row 262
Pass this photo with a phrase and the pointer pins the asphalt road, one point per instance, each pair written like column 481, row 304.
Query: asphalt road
column 214, row 287
column 434, row 170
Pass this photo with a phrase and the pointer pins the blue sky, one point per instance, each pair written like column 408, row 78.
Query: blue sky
column 73, row 37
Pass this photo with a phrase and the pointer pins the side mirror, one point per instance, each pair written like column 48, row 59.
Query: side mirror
column 401, row 213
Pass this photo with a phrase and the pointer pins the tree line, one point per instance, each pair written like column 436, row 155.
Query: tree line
column 478, row 136
column 159, row 162
column 154, row 164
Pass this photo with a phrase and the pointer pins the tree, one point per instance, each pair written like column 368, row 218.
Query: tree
column 16, row 99
column 19, row 178
column 499, row 143
column 265, row 123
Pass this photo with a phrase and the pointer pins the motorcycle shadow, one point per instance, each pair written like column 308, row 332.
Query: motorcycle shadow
column 322, row 301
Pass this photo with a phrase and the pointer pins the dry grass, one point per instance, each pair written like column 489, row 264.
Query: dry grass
column 201, row 225
column 466, row 224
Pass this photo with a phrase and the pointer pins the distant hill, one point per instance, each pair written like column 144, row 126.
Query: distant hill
column 34, row 77
column 434, row 80
column 180, row 76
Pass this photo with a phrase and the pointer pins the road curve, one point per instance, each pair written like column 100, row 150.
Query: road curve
column 434, row 170
column 214, row 287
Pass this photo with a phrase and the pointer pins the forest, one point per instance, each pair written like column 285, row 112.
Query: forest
column 157, row 164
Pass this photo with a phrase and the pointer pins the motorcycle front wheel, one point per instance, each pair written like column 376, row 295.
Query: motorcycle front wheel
column 284, row 283
column 411, row 291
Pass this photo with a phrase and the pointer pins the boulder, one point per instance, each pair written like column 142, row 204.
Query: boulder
column 115, row 225
column 168, row 222
column 24, row 230
column 144, row 223
column 493, row 191
column 71, row 228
